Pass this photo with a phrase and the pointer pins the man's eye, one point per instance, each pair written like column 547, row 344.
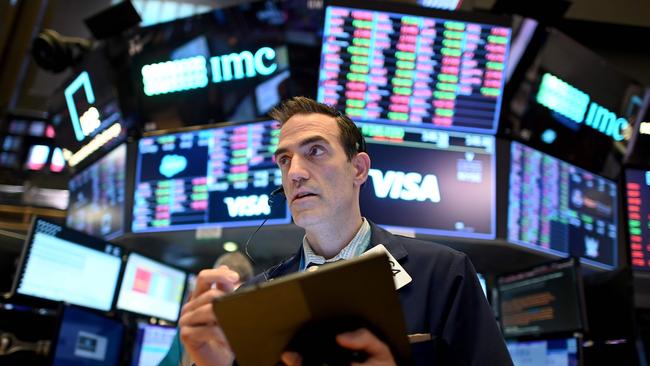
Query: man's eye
column 316, row 151
column 283, row 160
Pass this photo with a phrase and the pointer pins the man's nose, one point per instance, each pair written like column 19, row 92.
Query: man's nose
column 298, row 169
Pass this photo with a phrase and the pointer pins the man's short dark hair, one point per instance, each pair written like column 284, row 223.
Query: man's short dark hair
column 350, row 136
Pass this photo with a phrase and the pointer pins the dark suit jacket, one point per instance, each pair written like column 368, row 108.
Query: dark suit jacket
column 444, row 299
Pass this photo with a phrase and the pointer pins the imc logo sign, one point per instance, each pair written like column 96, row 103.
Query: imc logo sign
column 89, row 121
column 192, row 73
column 561, row 97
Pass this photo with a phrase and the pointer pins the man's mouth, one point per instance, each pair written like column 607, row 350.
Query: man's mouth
column 303, row 195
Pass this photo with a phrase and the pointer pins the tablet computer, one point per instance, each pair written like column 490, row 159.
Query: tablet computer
column 261, row 321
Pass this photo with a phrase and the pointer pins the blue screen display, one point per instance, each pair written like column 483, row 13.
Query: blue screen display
column 213, row 177
column 560, row 352
column 152, row 344
column 88, row 339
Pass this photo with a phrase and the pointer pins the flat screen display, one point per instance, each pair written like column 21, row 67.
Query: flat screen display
column 96, row 204
column 637, row 185
column 424, row 180
column 151, row 288
column 230, row 64
column 399, row 64
column 584, row 111
column 556, row 352
column 215, row 177
column 152, row 343
column 561, row 209
column 88, row 339
column 61, row 264
column 544, row 300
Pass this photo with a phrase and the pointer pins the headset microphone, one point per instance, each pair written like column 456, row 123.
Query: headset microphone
column 272, row 200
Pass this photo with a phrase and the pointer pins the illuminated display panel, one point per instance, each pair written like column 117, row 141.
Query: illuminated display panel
column 390, row 67
column 213, row 177
column 638, row 215
column 424, row 180
column 543, row 300
column 560, row 351
column 560, row 209
column 96, row 204
column 86, row 338
column 584, row 111
column 61, row 264
column 152, row 343
column 151, row 288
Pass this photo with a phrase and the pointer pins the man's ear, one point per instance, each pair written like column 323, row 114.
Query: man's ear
column 361, row 164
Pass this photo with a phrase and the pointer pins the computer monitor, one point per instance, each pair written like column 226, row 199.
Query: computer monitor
column 558, row 208
column 96, row 204
column 546, row 299
column 219, row 176
column 401, row 64
column 62, row 264
column 151, row 288
column 87, row 339
column 424, row 181
column 584, row 111
column 229, row 64
column 542, row 352
column 637, row 189
column 152, row 342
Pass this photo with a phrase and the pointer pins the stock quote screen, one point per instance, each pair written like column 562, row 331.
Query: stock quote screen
column 424, row 180
column 560, row 209
column 543, row 300
column 214, row 177
column 381, row 66
column 638, row 215
column 96, row 204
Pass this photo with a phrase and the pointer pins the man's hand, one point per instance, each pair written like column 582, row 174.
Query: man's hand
column 200, row 331
column 359, row 340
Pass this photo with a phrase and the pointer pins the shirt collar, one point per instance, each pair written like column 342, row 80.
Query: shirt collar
column 357, row 245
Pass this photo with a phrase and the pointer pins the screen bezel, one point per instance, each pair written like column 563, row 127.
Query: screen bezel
column 123, row 277
column 237, row 224
column 93, row 243
column 443, row 233
column 123, row 209
column 505, row 174
column 579, row 291
column 61, row 317
column 458, row 15
column 136, row 349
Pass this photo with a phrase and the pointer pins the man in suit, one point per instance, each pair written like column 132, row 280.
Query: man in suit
column 322, row 157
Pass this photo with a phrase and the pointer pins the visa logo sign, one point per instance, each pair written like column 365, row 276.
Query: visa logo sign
column 563, row 98
column 405, row 186
column 90, row 121
column 246, row 206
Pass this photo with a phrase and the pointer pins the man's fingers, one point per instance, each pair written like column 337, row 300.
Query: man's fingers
column 203, row 315
column 363, row 340
column 291, row 359
column 205, row 298
column 197, row 336
column 221, row 278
